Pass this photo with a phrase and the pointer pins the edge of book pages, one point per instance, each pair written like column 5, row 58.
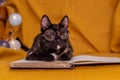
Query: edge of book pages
column 76, row 60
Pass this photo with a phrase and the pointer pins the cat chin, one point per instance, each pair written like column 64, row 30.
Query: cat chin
column 58, row 47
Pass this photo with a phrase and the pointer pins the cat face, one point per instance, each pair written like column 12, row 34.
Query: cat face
column 55, row 32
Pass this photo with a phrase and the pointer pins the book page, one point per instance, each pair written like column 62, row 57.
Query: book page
column 88, row 58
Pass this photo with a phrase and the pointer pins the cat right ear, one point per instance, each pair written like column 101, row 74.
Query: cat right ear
column 45, row 22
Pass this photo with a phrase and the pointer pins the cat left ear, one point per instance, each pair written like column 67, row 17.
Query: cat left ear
column 45, row 22
column 65, row 21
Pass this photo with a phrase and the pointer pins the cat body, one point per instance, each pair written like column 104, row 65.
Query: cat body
column 52, row 43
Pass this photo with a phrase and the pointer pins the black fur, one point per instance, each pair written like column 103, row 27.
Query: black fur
column 52, row 43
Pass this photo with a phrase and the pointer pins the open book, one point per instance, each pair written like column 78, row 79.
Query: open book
column 76, row 60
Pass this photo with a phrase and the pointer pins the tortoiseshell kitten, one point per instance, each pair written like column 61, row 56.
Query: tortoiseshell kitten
column 52, row 43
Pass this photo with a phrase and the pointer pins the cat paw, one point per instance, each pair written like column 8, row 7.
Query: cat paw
column 48, row 58
column 31, row 57
column 64, row 57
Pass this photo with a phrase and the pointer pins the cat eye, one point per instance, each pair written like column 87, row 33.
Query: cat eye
column 49, row 32
column 63, row 35
column 49, row 35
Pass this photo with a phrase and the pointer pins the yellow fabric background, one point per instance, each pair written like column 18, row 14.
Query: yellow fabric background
column 94, row 30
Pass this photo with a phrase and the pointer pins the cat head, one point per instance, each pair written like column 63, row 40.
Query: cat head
column 55, row 32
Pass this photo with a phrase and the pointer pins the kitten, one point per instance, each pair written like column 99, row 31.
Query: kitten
column 52, row 43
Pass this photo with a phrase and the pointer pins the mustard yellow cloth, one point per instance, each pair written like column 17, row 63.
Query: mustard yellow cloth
column 94, row 30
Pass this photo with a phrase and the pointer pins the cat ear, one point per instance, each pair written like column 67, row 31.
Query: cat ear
column 45, row 22
column 65, row 21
